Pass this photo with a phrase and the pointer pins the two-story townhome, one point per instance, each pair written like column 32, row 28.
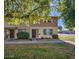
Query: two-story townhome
column 43, row 29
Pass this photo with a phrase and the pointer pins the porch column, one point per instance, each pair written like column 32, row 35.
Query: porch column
column 15, row 35
column 30, row 33
column 41, row 32
column 7, row 34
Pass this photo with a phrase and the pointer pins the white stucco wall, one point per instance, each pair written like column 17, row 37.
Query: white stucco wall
column 29, row 30
column 41, row 31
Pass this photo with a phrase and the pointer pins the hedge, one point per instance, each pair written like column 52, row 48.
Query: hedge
column 22, row 35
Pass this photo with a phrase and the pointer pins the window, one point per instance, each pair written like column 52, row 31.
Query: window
column 44, row 21
column 44, row 31
column 51, row 31
column 49, row 21
column 47, row 31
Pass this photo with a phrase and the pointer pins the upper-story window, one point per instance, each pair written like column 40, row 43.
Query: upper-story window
column 44, row 21
column 49, row 21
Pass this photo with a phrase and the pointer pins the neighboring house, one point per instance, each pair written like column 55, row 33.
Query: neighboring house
column 43, row 29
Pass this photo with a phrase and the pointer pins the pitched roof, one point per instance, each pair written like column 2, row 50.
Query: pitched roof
column 53, row 23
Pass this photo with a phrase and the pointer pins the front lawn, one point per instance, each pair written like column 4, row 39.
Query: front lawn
column 39, row 51
column 67, row 37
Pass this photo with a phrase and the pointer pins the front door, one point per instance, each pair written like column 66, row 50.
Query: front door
column 33, row 33
column 11, row 33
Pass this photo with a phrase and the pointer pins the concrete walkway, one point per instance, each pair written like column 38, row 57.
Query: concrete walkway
column 31, row 42
column 55, row 41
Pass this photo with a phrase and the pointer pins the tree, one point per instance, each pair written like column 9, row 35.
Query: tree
column 60, row 28
column 67, row 10
column 26, row 11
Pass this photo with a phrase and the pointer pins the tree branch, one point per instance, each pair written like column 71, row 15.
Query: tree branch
column 28, row 14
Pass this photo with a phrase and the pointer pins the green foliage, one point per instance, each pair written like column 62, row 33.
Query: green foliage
column 23, row 35
column 26, row 10
column 60, row 28
column 67, row 9
column 55, row 36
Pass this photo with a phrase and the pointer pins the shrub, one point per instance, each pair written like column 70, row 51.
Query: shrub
column 55, row 36
column 22, row 35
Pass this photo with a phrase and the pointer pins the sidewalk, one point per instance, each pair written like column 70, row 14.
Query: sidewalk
column 55, row 41
column 31, row 42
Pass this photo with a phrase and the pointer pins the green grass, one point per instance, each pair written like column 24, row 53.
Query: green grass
column 39, row 51
column 67, row 38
